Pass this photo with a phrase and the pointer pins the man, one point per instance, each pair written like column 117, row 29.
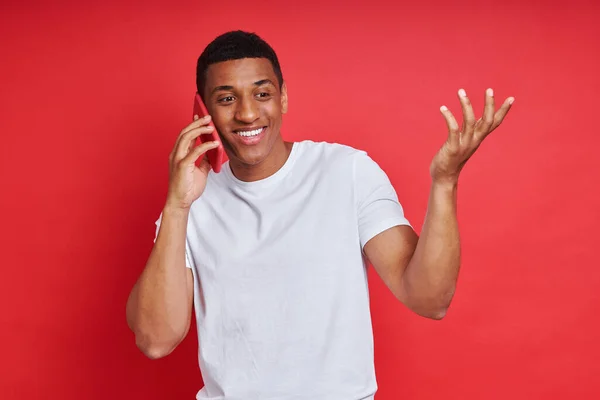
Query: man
column 271, row 252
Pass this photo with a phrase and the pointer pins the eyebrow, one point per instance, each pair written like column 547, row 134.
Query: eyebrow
column 263, row 82
column 257, row 83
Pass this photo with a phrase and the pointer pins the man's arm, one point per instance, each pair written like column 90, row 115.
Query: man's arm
column 159, row 307
column 423, row 272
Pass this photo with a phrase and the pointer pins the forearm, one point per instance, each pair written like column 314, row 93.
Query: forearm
column 158, row 308
column 430, row 278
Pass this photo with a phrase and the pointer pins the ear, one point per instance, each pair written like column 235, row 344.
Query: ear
column 284, row 99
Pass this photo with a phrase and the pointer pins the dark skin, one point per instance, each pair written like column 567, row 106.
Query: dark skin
column 242, row 94
column 420, row 271
column 239, row 94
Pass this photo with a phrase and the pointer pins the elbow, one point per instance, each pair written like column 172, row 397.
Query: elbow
column 435, row 307
column 154, row 349
column 155, row 345
column 436, row 314
column 155, row 353
column 156, row 340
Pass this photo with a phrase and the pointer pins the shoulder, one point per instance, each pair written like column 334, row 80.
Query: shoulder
column 327, row 153
column 342, row 159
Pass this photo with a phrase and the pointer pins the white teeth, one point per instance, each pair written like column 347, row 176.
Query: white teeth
column 250, row 133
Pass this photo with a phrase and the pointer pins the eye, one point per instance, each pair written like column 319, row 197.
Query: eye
column 264, row 95
column 227, row 99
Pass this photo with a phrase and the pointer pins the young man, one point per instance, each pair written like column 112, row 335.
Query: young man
column 271, row 252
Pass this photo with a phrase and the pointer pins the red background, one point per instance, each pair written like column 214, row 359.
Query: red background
column 93, row 96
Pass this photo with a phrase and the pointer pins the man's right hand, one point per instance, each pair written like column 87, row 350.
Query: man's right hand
column 186, row 180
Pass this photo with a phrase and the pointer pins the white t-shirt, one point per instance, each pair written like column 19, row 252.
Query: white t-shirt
column 280, row 283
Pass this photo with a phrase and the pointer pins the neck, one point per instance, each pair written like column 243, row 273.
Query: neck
column 275, row 160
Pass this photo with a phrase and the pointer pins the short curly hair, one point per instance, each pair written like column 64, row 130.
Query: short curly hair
column 235, row 45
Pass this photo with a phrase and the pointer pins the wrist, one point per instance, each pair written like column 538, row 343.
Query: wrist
column 443, row 194
column 448, row 183
column 171, row 211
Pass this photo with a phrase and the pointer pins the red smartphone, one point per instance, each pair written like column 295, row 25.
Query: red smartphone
column 216, row 155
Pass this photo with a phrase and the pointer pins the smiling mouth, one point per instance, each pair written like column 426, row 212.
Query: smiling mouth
column 249, row 132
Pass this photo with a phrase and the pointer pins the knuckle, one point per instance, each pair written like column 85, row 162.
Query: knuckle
column 453, row 150
column 187, row 134
column 485, row 126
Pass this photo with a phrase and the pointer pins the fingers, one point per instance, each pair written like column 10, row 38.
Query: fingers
column 474, row 132
column 488, row 110
column 198, row 151
column 186, row 141
column 453, row 130
column 483, row 126
column 198, row 122
column 468, row 114
column 501, row 113
column 489, row 121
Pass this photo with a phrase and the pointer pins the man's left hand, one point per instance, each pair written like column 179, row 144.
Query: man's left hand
column 462, row 143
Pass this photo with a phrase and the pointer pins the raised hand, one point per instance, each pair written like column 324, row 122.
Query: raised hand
column 186, row 180
column 463, row 142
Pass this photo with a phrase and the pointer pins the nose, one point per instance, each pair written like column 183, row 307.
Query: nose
column 247, row 110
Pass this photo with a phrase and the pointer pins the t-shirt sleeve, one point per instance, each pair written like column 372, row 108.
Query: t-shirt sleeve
column 377, row 204
column 188, row 260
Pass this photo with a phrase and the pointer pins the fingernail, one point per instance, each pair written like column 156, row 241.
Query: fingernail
column 443, row 108
column 490, row 92
column 511, row 100
column 462, row 93
column 207, row 117
column 196, row 117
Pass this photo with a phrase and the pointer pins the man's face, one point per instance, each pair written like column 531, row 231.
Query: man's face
column 246, row 105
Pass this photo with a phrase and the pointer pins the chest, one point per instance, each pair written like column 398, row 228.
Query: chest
column 311, row 220
column 292, row 251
